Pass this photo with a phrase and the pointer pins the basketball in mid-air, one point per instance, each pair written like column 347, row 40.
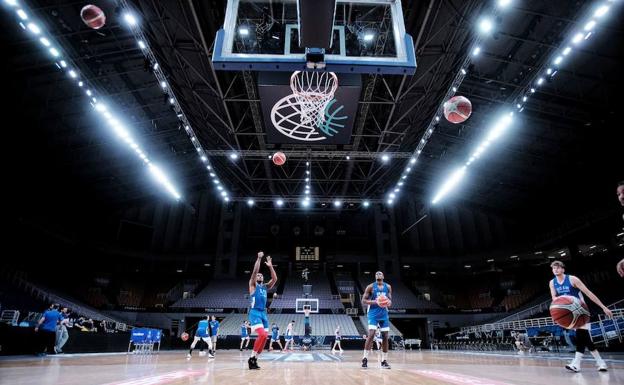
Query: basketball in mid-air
column 184, row 336
column 279, row 158
column 569, row 312
column 457, row 109
column 93, row 16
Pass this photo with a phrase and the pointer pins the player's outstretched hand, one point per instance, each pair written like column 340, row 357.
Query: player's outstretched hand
column 608, row 312
column 268, row 261
column 260, row 254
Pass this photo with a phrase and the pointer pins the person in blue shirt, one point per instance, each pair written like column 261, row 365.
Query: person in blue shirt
column 214, row 327
column 244, row 335
column 275, row 337
column 257, row 312
column 61, row 331
column 202, row 333
column 46, row 329
column 377, row 315
column 563, row 284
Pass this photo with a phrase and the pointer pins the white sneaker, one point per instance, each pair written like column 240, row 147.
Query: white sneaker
column 602, row 366
column 210, row 355
column 572, row 367
column 188, row 355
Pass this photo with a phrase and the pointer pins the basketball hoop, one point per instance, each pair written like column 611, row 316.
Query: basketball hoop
column 313, row 90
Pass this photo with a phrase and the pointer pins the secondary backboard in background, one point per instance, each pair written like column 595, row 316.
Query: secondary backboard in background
column 261, row 35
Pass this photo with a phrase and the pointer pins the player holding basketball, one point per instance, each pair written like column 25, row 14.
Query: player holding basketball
column 375, row 294
column 257, row 312
column 563, row 284
column 288, row 336
column 244, row 335
column 275, row 337
column 202, row 333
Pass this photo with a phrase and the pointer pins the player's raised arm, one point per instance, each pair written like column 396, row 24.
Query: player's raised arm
column 256, row 269
column 273, row 280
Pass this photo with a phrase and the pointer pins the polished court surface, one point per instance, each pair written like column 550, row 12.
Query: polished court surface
column 318, row 368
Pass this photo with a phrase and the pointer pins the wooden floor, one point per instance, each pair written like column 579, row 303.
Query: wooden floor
column 318, row 368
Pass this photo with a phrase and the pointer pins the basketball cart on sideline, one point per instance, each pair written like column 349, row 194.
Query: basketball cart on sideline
column 144, row 341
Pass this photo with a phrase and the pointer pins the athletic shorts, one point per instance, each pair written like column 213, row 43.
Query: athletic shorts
column 258, row 319
column 378, row 316
column 288, row 338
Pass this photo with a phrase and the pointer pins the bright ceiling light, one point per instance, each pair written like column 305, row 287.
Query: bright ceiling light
column 567, row 50
column 385, row 158
column 413, row 161
column 485, row 25
column 366, row 203
column 577, row 38
column 337, row 203
column 279, row 203
column 601, row 11
column 34, row 28
column 250, row 202
column 243, row 31
column 590, row 25
column 451, row 182
column 233, row 156
column 504, row 3
column 130, row 19
column 476, row 51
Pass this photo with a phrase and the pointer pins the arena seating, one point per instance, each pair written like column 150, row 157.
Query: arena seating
column 402, row 296
column 293, row 289
column 219, row 293
column 322, row 324
column 393, row 329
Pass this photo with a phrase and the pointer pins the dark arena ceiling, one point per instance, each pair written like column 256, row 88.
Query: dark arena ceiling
column 561, row 159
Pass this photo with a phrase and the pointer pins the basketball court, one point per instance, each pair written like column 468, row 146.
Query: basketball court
column 425, row 367
column 405, row 173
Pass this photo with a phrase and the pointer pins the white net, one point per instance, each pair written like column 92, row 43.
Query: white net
column 313, row 90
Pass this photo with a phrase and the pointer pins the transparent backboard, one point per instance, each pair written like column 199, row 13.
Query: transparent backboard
column 302, row 304
column 368, row 37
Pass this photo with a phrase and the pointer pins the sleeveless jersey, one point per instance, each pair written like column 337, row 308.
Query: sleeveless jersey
column 259, row 297
column 376, row 292
column 566, row 288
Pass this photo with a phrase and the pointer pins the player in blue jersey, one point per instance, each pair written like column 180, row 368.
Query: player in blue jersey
column 244, row 335
column 377, row 315
column 275, row 337
column 214, row 328
column 257, row 309
column 202, row 333
column 563, row 284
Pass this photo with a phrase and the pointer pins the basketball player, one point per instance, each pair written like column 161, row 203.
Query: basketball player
column 563, row 284
column 275, row 337
column 337, row 338
column 257, row 312
column 244, row 335
column 620, row 195
column 288, row 336
column 214, row 327
column 202, row 333
column 378, row 339
column 377, row 315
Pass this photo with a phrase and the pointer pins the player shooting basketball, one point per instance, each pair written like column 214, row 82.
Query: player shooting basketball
column 257, row 312
column 377, row 297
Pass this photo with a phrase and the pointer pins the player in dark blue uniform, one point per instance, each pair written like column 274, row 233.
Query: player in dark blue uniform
column 275, row 337
column 257, row 309
column 377, row 315
column 564, row 284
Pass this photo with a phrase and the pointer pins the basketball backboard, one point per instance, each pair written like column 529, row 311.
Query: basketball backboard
column 263, row 35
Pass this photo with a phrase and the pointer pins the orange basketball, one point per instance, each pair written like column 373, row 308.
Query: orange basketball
column 93, row 16
column 383, row 301
column 569, row 312
column 279, row 158
column 184, row 336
